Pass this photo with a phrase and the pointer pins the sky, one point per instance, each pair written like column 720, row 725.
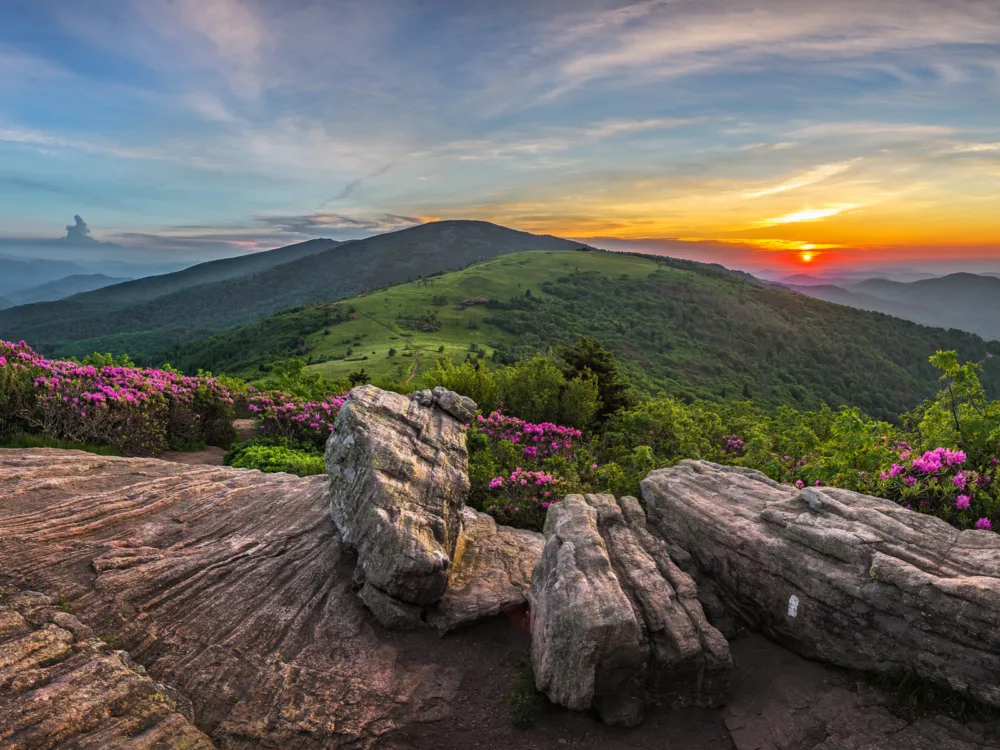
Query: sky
column 806, row 136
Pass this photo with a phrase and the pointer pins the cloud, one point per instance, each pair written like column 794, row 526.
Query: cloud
column 810, row 214
column 353, row 185
column 317, row 223
column 78, row 232
column 813, row 176
column 890, row 129
column 670, row 40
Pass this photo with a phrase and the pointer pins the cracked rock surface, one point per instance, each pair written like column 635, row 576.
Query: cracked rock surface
column 616, row 625
column 228, row 585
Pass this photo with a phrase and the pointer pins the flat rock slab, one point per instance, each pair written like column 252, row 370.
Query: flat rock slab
column 839, row 576
column 62, row 686
column 228, row 585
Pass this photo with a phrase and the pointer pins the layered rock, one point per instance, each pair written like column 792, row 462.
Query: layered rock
column 398, row 469
column 839, row 576
column 62, row 686
column 228, row 585
column 491, row 573
column 616, row 625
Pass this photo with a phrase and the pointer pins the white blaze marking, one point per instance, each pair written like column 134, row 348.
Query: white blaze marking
column 793, row 605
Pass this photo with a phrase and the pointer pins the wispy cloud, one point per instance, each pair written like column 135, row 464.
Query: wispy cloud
column 812, row 177
column 810, row 214
column 317, row 223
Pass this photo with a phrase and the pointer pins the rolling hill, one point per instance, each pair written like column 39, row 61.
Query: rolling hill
column 685, row 328
column 140, row 324
column 62, row 288
column 965, row 301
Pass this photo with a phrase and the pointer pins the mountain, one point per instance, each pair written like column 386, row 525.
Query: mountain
column 60, row 288
column 965, row 301
column 104, row 310
column 4, row 303
column 681, row 327
column 149, row 314
column 21, row 273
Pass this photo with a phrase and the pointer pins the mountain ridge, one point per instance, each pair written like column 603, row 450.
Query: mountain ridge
column 682, row 327
column 79, row 324
column 63, row 287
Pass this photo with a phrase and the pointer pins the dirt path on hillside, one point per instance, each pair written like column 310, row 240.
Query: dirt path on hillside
column 413, row 370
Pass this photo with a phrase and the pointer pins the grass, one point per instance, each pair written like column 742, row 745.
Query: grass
column 381, row 322
column 918, row 696
column 43, row 441
column 525, row 700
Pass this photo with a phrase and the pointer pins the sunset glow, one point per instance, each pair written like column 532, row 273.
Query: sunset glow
column 871, row 139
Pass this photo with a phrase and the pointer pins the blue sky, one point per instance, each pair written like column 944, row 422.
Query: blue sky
column 197, row 128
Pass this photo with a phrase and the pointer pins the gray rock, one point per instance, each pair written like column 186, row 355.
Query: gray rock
column 460, row 407
column 839, row 576
column 491, row 571
column 615, row 624
column 390, row 612
column 398, row 473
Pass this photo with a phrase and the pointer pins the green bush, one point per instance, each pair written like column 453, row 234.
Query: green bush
column 272, row 455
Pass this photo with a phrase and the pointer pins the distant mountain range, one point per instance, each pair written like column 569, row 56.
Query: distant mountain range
column 22, row 273
column 964, row 301
column 149, row 314
column 62, row 288
column 19, row 273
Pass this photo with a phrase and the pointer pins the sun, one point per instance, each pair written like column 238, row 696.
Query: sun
column 806, row 257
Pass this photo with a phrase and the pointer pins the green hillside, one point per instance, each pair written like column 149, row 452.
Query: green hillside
column 685, row 328
column 74, row 327
column 110, row 308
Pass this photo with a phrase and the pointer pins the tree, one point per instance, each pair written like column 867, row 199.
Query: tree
column 358, row 377
column 588, row 355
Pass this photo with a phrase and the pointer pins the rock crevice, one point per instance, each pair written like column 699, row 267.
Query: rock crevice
column 616, row 625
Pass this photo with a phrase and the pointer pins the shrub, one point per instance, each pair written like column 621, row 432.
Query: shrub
column 272, row 455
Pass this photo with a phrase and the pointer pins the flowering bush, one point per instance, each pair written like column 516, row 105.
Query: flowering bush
column 518, row 468
column 536, row 440
column 522, row 498
column 138, row 411
column 283, row 416
column 942, row 461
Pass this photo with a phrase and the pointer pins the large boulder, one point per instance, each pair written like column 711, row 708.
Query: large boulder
column 839, row 576
column 398, row 469
column 616, row 625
